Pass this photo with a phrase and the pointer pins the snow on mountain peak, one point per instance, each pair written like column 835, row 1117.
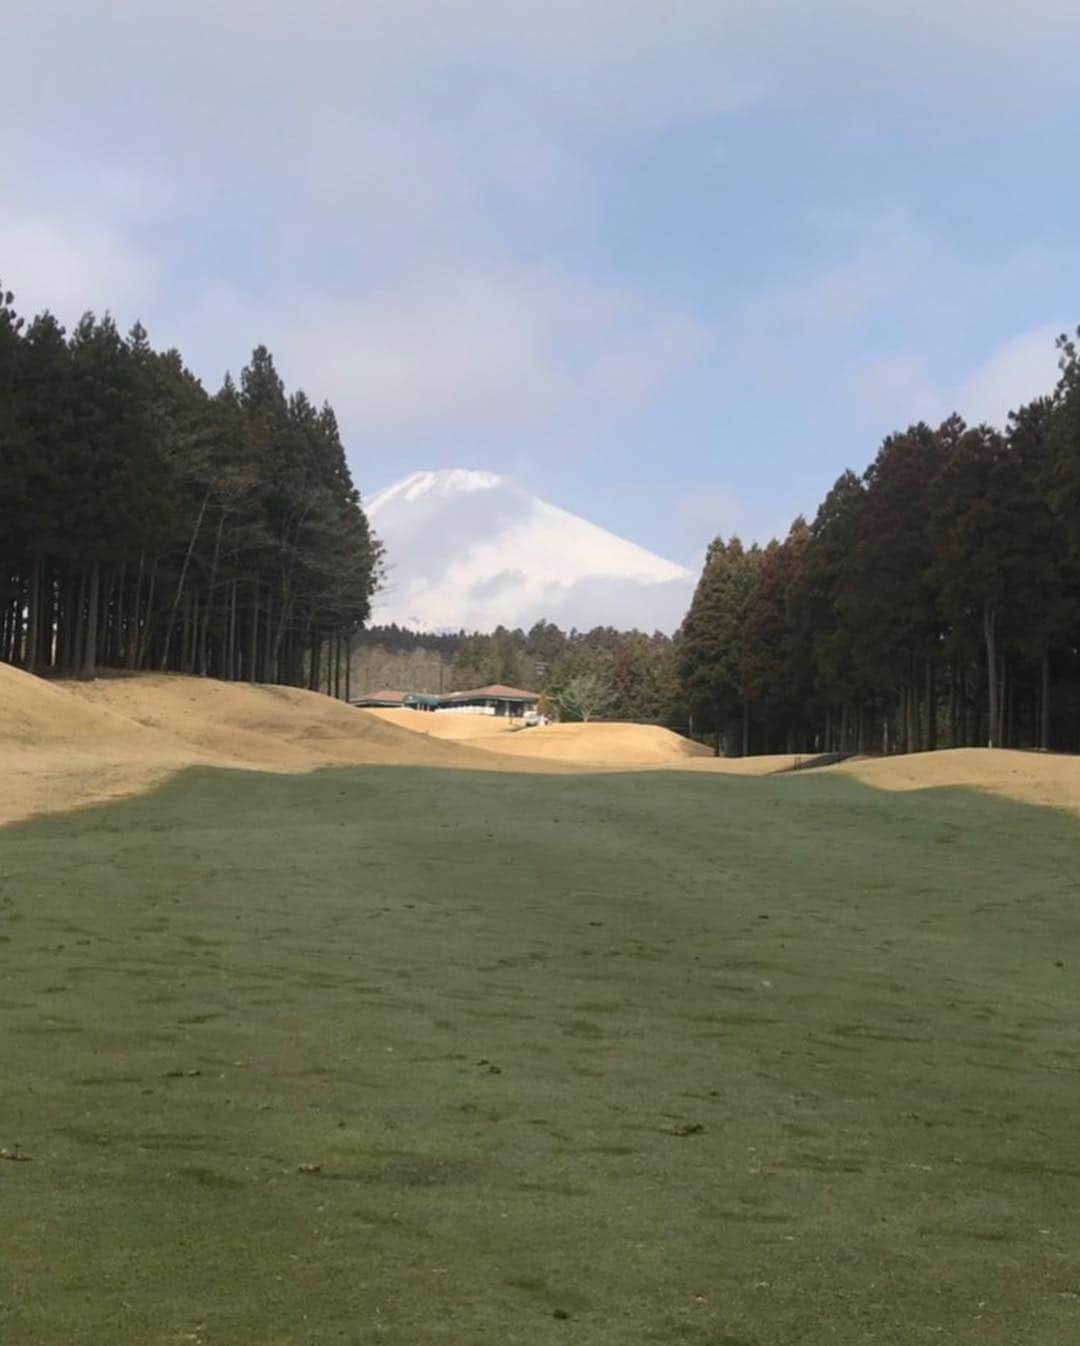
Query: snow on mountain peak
column 473, row 550
column 448, row 481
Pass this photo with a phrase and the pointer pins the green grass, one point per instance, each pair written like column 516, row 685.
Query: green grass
column 485, row 1006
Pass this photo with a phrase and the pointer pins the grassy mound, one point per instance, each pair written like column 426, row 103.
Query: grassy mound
column 57, row 751
column 596, row 744
column 284, row 728
column 1034, row 778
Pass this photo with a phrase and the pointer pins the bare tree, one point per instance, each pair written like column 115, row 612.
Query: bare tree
column 583, row 698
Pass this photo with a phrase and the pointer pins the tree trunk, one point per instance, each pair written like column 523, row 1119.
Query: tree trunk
column 253, row 649
column 185, row 635
column 135, row 631
column 914, row 741
column 1044, row 705
column 282, row 627
column 89, row 662
column 79, row 641
column 267, row 674
column 148, row 620
column 15, row 620
column 67, row 659
column 746, row 729
column 931, row 707
column 183, row 576
column 117, row 617
column 204, row 641
column 962, row 705
column 990, row 636
column 33, row 622
column 1008, row 738
column 1003, row 687
column 316, row 649
column 230, row 642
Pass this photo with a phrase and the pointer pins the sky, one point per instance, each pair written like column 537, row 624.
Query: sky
column 671, row 264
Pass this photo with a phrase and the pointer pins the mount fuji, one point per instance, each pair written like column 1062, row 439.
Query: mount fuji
column 472, row 550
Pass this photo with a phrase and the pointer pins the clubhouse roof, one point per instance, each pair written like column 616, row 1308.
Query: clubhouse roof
column 494, row 699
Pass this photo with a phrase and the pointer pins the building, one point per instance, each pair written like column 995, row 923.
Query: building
column 511, row 702
column 493, row 700
column 388, row 700
column 379, row 700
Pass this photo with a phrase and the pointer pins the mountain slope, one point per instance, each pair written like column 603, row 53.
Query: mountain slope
column 473, row 550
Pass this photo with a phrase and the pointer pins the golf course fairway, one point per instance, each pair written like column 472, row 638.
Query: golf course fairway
column 408, row 1055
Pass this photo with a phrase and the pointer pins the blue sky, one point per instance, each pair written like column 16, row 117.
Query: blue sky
column 673, row 265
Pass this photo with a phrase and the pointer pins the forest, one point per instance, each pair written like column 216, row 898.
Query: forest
column 602, row 673
column 148, row 524
column 933, row 601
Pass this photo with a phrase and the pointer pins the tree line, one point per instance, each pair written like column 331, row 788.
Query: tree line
column 932, row 601
column 148, row 524
column 600, row 673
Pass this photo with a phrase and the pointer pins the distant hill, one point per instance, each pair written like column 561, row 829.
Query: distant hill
column 473, row 550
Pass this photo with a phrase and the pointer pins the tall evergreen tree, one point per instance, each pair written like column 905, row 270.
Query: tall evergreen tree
column 711, row 657
column 145, row 524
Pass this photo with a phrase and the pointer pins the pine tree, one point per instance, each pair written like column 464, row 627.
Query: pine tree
column 145, row 524
column 711, row 643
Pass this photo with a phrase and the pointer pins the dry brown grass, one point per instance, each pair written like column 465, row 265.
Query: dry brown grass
column 69, row 744
column 607, row 745
column 56, row 752
column 456, row 728
column 765, row 765
column 64, row 745
column 1031, row 777
column 603, row 744
column 274, row 728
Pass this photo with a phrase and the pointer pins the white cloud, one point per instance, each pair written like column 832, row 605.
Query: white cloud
column 892, row 326
column 641, row 352
column 444, row 348
column 883, row 258
column 476, row 347
column 706, row 513
column 399, row 178
column 1015, row 373
column 892, row 390
column 623, row 59
column 73, row 264
column 484, row 346
column 895, row 390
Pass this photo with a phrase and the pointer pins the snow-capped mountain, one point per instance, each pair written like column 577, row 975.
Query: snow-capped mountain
column 472, row 550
